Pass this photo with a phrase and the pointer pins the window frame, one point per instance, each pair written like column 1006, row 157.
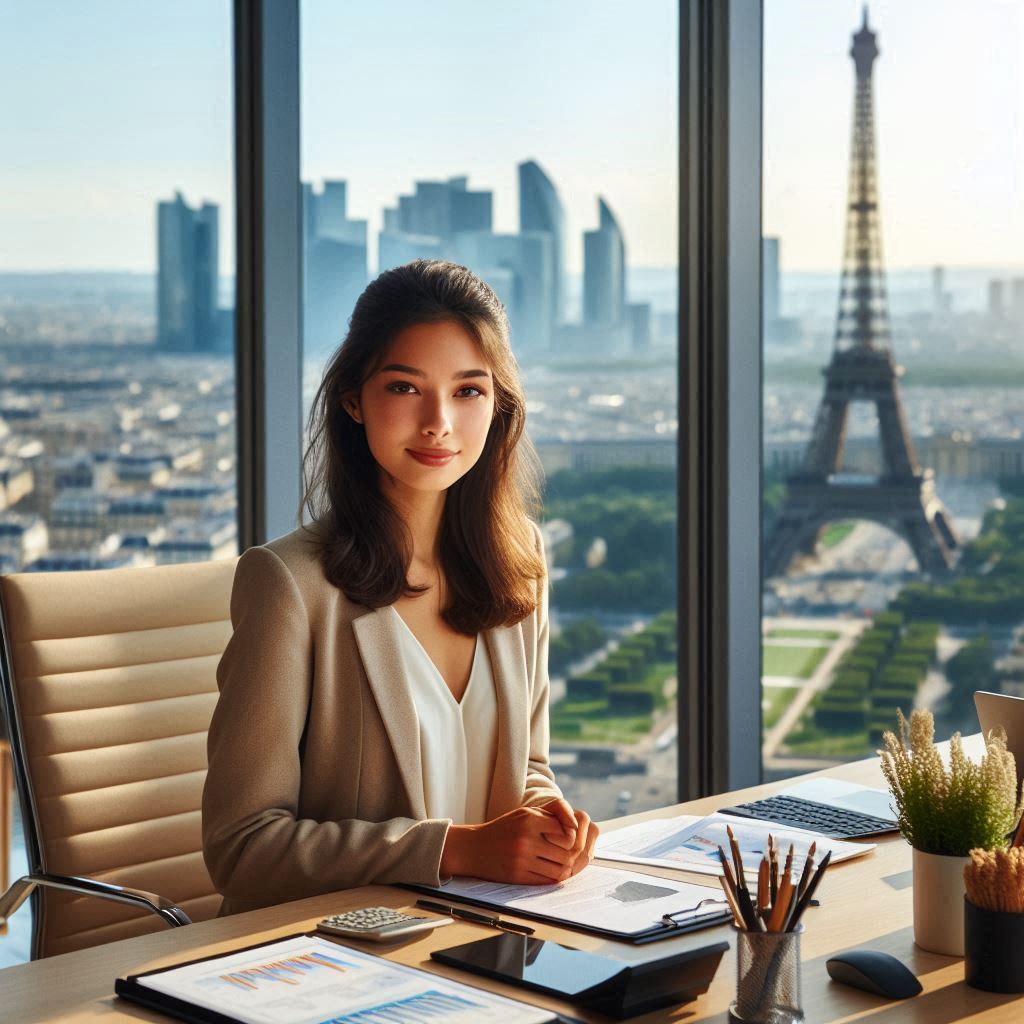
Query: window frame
column 268, row 335
column 719, row 444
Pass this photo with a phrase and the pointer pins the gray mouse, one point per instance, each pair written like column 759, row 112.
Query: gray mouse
column 873, row 971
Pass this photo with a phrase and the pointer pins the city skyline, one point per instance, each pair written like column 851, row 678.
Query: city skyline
column 92, row 211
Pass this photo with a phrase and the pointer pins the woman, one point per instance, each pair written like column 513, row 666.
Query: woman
column 384, row 697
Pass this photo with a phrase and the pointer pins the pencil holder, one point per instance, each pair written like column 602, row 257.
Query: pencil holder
column 767, row 978
column 993, row 949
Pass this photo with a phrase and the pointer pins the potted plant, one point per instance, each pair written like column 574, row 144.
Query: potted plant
column 944, row 813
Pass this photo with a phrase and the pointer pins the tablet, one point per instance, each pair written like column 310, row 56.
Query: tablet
column 586, row 979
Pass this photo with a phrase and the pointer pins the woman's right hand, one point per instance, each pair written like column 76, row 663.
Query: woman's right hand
column 514, row 848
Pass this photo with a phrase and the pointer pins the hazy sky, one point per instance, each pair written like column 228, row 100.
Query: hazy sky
column 118, row 103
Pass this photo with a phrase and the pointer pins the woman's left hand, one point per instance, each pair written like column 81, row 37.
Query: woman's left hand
column 586, row 836
column 578, row 833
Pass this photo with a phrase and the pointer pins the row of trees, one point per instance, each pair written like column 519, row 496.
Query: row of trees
column 633, row 510
column 625, row 684
column 882, row 672
column 989, row 584
column 575, row 641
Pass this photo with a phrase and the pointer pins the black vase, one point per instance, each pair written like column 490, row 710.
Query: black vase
column 993, row 949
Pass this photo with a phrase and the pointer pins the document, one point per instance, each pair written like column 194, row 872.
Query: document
column 313, row 981
column 615, row 900
column 689, row 843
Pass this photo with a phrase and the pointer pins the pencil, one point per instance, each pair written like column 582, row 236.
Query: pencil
column 809, row 891
column 763, row 896
column 773, row 858
column 805, row 875
column 730, row 877
column 730, row 898
column 789, row 860
column 749, row 914
column 739, row 894
column 780, row 910
column 736, row 855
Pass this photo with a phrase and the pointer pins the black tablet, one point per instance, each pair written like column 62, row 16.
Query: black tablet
column 586, row 979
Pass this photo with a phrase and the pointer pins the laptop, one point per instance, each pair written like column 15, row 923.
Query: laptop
column 1002, row 709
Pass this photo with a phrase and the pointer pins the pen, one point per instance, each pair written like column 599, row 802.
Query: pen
column 474, row 916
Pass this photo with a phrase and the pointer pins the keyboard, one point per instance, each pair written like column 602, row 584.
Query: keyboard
column 796, row 812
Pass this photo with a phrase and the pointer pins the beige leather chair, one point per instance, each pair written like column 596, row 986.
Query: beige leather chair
column 109, row 682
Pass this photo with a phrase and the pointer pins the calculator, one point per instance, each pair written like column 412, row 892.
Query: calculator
column 378, row 924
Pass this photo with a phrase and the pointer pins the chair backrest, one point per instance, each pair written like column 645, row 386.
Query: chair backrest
column 112, row 686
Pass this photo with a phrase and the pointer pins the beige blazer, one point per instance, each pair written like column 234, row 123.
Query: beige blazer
column 314, row 779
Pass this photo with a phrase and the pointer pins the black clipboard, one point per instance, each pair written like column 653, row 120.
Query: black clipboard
column 661, row 930
column 134, row 991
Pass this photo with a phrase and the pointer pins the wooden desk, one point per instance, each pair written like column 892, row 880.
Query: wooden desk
column 865, row 902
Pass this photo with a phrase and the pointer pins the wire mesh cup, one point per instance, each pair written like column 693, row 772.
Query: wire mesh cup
column 767, row 978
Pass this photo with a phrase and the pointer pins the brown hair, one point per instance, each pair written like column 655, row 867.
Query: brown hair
column 488, row 551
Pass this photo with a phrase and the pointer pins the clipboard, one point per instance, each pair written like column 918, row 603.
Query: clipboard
column 132, row 989
column 664, row 929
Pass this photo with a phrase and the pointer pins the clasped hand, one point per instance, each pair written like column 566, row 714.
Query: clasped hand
column 527, row 846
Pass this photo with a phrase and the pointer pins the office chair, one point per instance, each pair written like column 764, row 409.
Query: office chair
column 108, row 681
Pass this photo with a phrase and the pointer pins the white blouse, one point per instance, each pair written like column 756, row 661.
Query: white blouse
column 458, row 739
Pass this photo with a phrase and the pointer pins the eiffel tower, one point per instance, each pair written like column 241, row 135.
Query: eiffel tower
column 862, row 369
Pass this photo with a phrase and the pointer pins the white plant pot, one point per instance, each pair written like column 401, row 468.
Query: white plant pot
column 939, row 902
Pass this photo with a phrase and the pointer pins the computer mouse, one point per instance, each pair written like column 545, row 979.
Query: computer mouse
column 873, row 971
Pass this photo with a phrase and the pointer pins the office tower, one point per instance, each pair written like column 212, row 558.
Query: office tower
column 942, row 300
column 540, row 209
column 444, row 208
column 770, row 281
column 425, row 224
column 604, row 271
column 862, row 369
column 394, row 248
column 1017, row 300
column 638, row 318
column 335, row 267
column 187, row 253
column 996, row 308
column 519, row 268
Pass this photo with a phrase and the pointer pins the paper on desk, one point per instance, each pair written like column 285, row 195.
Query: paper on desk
column 689, row 843
column 621, row 901
column 311, row 980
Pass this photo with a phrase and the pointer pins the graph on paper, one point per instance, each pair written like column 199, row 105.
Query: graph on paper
column 293, row 970
column 310, row 980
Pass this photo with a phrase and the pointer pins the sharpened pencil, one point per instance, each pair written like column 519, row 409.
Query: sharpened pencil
column 730, row 877
column 736, row 856
column 780, row 910
column 763, row 896
column 730, row 898
column 805, row 875
column 809, row 892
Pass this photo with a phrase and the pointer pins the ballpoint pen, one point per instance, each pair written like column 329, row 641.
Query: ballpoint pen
column 475, row 916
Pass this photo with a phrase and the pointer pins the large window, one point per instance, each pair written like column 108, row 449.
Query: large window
column 893, row 327
column 117, row 410
column 538, row 147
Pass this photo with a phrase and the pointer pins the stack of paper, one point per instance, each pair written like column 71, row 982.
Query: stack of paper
column 690, row 843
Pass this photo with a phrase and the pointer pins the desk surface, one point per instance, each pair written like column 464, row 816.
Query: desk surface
column 865, row 902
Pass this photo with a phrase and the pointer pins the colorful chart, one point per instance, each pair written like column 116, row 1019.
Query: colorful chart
column 292, row 970
column 431, row 1005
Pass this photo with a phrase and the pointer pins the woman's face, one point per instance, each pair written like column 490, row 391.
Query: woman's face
column 428, row 408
